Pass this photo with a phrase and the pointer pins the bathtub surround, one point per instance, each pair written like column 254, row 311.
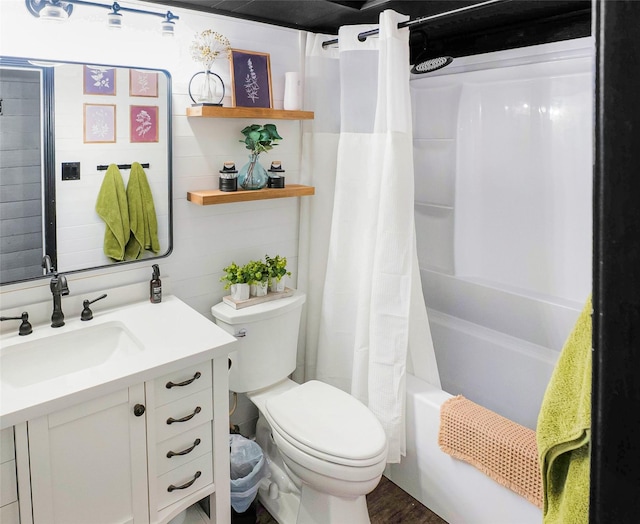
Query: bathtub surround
column 564, row 429
column 505, row 272
column 497, row 339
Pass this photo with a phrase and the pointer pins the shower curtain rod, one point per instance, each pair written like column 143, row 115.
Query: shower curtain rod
column 423, row 20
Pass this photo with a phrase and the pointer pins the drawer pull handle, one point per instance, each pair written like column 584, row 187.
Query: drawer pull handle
column 184, row 486
column 184, row 451
column 185, row 383
column 171, row 420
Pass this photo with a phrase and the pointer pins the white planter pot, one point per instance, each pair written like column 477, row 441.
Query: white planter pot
column 240, row 291
column 277, row 286
column 260, row 289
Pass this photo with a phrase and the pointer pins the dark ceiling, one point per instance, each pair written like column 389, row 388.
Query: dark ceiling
column 498, row 25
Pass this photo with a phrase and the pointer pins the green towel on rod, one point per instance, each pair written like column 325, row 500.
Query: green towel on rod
column 142, row 215
column 564, row 429
column 112, row 207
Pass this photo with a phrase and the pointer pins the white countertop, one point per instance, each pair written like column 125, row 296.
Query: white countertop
column 173, row 334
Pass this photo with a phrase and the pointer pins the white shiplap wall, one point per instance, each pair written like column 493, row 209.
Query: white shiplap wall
column 205, row 238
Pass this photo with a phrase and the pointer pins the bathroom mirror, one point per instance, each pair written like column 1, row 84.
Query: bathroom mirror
column 61, row 125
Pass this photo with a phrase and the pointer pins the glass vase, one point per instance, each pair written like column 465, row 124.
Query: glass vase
column 209, row 89
column 252, row 175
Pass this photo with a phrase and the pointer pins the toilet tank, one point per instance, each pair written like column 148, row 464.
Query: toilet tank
column 267, row 341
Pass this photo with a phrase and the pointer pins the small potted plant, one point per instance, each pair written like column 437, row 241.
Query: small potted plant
column 236, row 279
column 258, row 278
column 257, row 139
column 277, row 268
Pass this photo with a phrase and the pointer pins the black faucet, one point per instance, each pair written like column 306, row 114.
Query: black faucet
column 59, row 288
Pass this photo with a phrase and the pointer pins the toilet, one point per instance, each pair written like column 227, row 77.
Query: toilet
column 325, row 449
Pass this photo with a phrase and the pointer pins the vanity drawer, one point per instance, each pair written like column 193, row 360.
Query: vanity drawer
column 182, row 383
column 183, row 476
column 193, row 410
column 8, row 485
column 198, row 440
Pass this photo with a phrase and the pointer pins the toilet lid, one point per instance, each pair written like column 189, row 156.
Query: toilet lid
column 326, row 420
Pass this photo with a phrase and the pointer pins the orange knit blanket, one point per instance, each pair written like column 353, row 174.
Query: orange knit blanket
column 500, row 448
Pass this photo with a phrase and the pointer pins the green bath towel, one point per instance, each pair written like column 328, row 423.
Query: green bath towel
column 564, row 428
column 142, row 215
column 113, row 209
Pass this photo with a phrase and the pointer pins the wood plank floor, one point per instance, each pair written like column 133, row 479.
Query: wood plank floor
column 388, row 504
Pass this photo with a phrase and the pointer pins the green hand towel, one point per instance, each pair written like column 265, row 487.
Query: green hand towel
column 564, row 427
column 142, row 215
column 112, row 207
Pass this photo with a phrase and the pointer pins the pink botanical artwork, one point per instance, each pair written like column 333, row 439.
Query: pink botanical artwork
column 143, row 83
column 143, row 123
column 99, row 123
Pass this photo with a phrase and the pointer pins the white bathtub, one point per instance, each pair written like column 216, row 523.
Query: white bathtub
column 453, row 489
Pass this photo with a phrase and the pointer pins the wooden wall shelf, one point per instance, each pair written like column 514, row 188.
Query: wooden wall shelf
column 215, row 196
column 248, row 112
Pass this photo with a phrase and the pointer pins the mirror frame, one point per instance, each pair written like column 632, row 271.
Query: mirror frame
column 49, row 159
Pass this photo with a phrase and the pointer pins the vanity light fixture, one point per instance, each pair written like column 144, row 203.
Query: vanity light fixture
column 114, row 18
column 62, row 9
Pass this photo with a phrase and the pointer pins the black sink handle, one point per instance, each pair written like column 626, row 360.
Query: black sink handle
column 25, row 327
column 87, row 314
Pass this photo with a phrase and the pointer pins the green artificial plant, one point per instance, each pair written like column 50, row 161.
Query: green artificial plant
column 259, row 139
column 257, row 272
column 277, row 267
column 234, row 274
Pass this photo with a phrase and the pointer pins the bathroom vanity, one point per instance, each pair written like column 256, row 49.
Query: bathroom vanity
column 120, row 419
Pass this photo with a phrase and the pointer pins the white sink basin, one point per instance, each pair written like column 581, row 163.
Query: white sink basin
column 34, row 361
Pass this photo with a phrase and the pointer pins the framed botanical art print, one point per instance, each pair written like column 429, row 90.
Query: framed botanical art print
column 251, row 79
column 143, row 123
column 99, row 124
column 99, row 80
column 143, row 83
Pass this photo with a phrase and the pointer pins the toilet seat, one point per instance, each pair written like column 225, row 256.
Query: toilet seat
column 326, row 423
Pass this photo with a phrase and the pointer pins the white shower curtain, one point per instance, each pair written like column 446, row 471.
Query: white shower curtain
column 372, row 306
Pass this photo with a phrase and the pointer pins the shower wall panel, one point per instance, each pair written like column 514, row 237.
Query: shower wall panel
column 503, row 163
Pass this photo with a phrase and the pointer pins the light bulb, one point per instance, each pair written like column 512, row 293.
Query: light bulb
column 53, row 12
column 168, row 27
column 114, row 20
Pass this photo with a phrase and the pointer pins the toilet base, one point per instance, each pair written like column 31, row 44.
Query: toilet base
column 290, row 501
column 320, row 508
column 314, row 507
column 283, row 509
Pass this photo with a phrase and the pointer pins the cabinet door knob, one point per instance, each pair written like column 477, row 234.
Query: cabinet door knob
column 138, row 410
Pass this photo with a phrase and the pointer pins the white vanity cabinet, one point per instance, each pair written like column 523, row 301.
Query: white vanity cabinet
column 9, row 513
column 121, row 420
column 139, row 455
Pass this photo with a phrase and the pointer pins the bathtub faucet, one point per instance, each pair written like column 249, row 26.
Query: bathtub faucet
column 59, row 288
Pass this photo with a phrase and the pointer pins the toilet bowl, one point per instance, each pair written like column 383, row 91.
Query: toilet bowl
column 326, row 449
